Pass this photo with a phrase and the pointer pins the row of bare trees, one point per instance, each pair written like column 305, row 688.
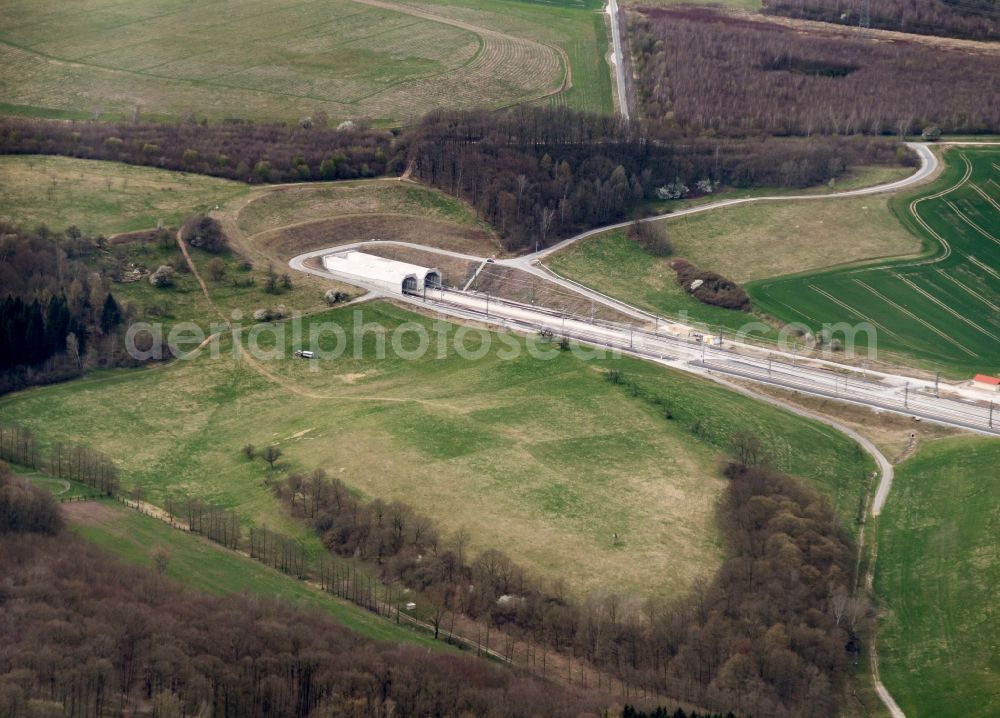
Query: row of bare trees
column 216, row 523
column 19, row 445
column 243, row 151
column 711, row 72
column 83, row 464
column 972, row 19
column 278, row 551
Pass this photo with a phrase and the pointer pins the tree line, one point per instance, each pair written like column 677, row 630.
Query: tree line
column 971, row 19
column 535, row 173
column 709, row 72
column 539, row 174
column 142, row 644
column 58, row 316
column 243, row 151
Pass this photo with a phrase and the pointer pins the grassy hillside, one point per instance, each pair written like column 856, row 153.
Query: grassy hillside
column 763, row 240
column 205, row 566
column 383, row 59
column 745, row 242
column 615, row 265
column 241, row 291
column 546, row 459
column 282, row 206
column 103, row 197
column 938, row 573
column 578, row 27
column 943, row 310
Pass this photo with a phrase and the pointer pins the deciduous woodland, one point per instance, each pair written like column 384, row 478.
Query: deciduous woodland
column 242, row 151
column 708, row 71
column 536, row 174
column 540, row 174
column 973, row 19
column 82, row 635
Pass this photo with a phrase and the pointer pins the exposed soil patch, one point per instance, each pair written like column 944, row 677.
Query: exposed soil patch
column 519, row 286
column 288, row 242
column 88, row 513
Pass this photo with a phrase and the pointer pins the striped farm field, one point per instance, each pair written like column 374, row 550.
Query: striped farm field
column 385, row 60
column 941, row 309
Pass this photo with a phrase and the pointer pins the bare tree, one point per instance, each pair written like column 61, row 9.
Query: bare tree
column 161, row 559
column 271, row 454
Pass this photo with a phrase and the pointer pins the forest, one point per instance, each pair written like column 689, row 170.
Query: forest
column 58, row 317
column 971, row 19
column 539, row 174
column 82, row 635
column 707, row 71
column 772, row 635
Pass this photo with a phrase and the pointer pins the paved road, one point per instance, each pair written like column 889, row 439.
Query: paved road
column 928, row 165
column 619, row 60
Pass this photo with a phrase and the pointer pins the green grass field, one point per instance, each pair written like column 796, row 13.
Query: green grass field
column 943, row 309
column 745, row 242
column 937, row 578
column 386, row 60
column 545, row 459
column 204, row 566
column 766, row 239
column 103, row 197
column 280, row 207
column 617, row 266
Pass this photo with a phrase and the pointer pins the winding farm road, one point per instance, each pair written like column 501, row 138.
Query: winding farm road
column 928, row 166
column 618, row 59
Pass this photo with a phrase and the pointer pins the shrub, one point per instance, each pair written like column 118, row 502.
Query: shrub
column 334, row 297
column 163, row 277
column 711, row 288
column 205, row 233
column 216, row 269
column 651, row 238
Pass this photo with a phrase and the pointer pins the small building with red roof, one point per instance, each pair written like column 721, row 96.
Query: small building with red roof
column 982, row 381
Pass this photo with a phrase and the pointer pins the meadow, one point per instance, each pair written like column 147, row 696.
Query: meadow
column 377, row 59
column 204, row 566
column 942, row 309
column 103, row 197
column 614, row 264
column 282, row 206
column 744, row 243
column 546, row 459
column 937, row 577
